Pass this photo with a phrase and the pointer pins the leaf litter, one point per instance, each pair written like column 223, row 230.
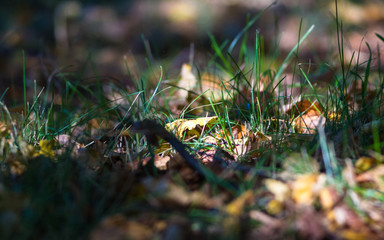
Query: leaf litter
column 204, row 176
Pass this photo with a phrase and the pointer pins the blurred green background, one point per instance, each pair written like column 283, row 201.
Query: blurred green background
column 74, row 34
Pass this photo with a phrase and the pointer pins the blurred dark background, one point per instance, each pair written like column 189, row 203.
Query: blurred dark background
column 98, row 37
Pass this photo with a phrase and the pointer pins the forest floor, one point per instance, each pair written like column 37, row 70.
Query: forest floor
column 261, row 137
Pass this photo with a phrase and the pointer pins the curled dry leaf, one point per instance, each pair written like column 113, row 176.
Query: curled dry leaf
column 245, row 141
column 191, row 128
column 308, row 116
column 375, row 175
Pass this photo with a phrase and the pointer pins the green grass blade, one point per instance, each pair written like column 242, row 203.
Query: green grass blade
column 379, row 36
column 246, row 28
column 155, row 91
column 293, row 50
column 313, row 89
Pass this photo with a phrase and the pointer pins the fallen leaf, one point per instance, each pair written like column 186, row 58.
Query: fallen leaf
column 46, row 148
column 4, row 129
column 344, row 216
column 16, row 165
column 365, row 163
column 375, row 175
column 309, row 225
column 118, row 227
column 191, row 128
column 274, row 207
column 303, row 189
column 308, row 116
column 271, row 228
column 169, row 194
column 355, row 234
column 328, row 197
column 236, row 207
column 279, row 189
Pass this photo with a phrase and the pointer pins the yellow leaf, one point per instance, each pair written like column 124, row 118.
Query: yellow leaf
column 365, row 163
column 274, row 207
column 326, row 198
column 302, row 189
column 46, row 148
column 278, row 188
column 355, row 235
column 191, row 128
column 236, row 207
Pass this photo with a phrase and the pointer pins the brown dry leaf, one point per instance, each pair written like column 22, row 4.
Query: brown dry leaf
column 308, row 116
column 117, row 227
column 16, row 165
column 191, row 128
column 375, row 212
column 239, row 137
column 256, row 140
column 159, row 161
column 375, row 175
column 344, row 216
column 310, row 225
column 170, row 194
column 271, row 228
column 236, row 207
column 3, row 129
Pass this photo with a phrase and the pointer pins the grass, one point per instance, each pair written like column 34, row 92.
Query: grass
column 99, row 171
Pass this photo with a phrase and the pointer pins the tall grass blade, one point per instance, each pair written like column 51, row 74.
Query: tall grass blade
column 285, row 63
column 24, row 85
column 246, row 28
column 379, row 36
